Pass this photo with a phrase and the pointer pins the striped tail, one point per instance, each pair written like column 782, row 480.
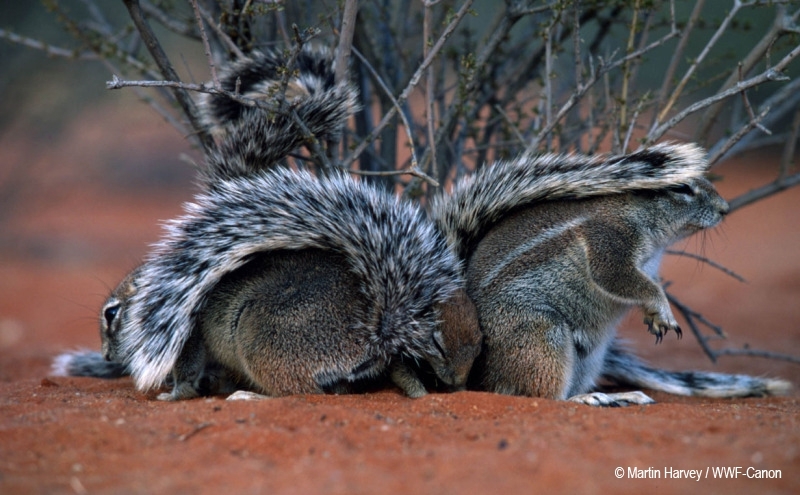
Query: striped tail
column 624, row 368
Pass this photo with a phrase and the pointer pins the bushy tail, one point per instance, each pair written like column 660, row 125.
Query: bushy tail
column 87, row 363
column 306, row 105
column 624, row 368
column 479, row 201
column 404, row 263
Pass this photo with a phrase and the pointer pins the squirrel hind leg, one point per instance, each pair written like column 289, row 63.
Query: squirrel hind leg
column 534, row 357
column 188, row 372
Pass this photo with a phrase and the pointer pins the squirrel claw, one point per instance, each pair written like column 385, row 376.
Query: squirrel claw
column 661, row 329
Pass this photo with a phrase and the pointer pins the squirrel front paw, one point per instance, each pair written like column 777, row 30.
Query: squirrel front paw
column 181, row 391
column 660, row 322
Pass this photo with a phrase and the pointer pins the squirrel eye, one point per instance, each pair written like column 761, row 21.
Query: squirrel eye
column 110, row 313
column 682, row 189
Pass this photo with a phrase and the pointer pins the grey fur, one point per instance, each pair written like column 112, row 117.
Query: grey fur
column 624, row 368
column 255, row 138
column 87, row 363
column 477, row 202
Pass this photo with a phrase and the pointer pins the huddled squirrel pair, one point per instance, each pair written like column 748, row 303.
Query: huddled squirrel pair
column 283, row 283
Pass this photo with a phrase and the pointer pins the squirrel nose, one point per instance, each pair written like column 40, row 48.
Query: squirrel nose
column 724, row 207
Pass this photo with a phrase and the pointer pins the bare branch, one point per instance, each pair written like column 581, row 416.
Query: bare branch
column 154, row 47
column 726, row 271
column 781, row 24
column 677, row 55
column 791, row 143
column 623, row 113
column 757, row 353
column 211, row 65
column 345, row 39
column 771, row 74
column 737, row 4
column 229, row 44
column 731, row 142
column 406, row 125
column 174, row 25
column 780, row 184
column 411, row 84
column 427, row 39
column 689, row 315
column 576, row 96
column 47, row 48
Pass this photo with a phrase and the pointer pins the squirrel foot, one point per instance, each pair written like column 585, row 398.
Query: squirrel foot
column 622, row 399
column 405, row 378
column 246, row 395
column 181, row 391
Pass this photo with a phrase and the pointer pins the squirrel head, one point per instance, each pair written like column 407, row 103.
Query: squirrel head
column 680, row 210
column 113, row 316
column 457, row 340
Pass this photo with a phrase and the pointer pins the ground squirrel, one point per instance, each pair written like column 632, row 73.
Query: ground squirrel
column 558, row 248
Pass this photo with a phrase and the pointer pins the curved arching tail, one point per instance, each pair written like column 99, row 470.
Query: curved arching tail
column 291, row 105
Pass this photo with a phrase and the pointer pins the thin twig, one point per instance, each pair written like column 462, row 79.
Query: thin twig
column 427, row 39
column 387, row 91
column 771, row 74
column 780, row 184
column 548, row 70
column 341, row 63
column 782, row 102
column 206, row 46
column 737, row 4
column 757, row 353
column 489, row 45
column 511, row 124
column 634, row 118
column 46, row 47
column 229, row 43
column 154, row 47
column 174, row 25
column 791, row 144
column 576, row 96
column 731, row 142
column 782, row 23
column 623, row 112
column 710, row 262
column 143, row 96
column 689, row 316
column 194, row 431
column 411, row 84
column 576, row 43
column 749, row 107
column 677, row 54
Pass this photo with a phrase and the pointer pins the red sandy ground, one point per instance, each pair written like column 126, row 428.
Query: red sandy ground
column 65, row 245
